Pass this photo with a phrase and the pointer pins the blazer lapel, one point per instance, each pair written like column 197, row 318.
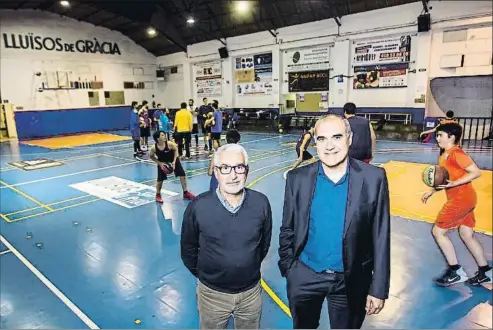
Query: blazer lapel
column 354, row 193
column 309, row 189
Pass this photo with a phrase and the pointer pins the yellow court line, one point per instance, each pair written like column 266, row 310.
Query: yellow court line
column 27, row 196
column 265, row 286
column 5, row 218
column 98, row 199
column 50, row 204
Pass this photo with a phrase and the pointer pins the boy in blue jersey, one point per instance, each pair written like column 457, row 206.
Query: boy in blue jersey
column 135, row 130
column 164, row 123
column 217, row 126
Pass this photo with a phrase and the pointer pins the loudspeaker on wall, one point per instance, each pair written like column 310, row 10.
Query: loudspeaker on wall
column 424, row 23
column 223, row 52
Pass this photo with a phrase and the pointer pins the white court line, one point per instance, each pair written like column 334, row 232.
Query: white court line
column 5, row 252
column 83, row 317
column 87, row 171
column 69, row 159
column 264, row 139
column 70, row 174
column 113, row 144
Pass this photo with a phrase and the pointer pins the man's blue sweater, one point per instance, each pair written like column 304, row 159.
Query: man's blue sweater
column 225, row 250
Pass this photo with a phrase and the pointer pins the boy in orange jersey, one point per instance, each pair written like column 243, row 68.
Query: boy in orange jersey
column 458, row 211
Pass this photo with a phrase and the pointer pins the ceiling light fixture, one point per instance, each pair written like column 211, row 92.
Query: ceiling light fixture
column 242, row 6
column 190, row 20
column 151, row 31
column 64, row 3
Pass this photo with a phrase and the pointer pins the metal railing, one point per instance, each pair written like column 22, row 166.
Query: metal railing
column 389, row 117
column 300, row 121
column 477, row 131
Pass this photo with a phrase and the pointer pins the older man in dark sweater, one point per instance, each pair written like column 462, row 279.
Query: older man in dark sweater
column 225, row 236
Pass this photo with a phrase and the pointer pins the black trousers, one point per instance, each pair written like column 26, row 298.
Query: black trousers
column 307, row 291
column 179, row 139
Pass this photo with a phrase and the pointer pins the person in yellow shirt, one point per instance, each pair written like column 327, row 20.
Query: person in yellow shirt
column 183, row 129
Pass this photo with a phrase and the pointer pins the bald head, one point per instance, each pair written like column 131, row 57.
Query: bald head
column 333, row 120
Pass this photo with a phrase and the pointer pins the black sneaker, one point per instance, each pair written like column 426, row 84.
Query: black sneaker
column 480, row 278
column 451, row 277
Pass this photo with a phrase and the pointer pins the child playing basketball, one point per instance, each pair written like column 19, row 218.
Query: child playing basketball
column 163, row 152
column 302, row 146
column 458, row 211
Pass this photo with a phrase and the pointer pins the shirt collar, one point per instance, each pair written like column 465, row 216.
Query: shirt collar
column 321, row 173
column 226, row 204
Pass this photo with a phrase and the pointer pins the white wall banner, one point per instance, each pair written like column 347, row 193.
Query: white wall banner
column 382, row 51
column 307, row 59
column 208, row 78
column 253, row 74
column 381, row 63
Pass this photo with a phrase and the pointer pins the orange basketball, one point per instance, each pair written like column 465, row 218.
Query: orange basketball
column 434, row 176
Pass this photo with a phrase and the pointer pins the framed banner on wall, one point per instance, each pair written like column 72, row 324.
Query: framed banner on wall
column 307, row 59
column 208, row 78
column 253, row 74
column 381, row 63
column 308, row 81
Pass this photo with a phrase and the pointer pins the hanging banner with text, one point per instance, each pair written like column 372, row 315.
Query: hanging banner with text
column 381, row 63
column 380, row 76
column 308, row 81
column 208, row 78
column 253, row 74
column 306, row 59
column 382, row 51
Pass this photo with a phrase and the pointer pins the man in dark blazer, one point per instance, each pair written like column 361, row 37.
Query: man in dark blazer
column 334, row 241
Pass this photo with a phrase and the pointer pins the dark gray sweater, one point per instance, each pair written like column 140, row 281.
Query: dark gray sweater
column 225, row 250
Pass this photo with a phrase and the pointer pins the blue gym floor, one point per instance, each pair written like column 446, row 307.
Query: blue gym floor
column 75, row 261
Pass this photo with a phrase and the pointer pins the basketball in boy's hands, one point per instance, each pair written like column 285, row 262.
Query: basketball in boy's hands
column 434, row 176
column 167, row 168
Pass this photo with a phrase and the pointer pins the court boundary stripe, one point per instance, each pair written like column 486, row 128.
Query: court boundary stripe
column 59, row 294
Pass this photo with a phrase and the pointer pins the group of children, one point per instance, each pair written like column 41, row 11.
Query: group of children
column 166, row 152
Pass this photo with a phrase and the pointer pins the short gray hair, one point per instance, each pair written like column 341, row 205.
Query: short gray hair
column 230, row 147
column 349, row 131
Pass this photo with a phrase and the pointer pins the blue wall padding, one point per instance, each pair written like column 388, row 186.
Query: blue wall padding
column 47, row 123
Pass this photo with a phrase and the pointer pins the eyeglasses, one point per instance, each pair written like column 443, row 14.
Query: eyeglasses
column 226, row 169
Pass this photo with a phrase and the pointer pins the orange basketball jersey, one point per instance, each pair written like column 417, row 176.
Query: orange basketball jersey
column 456, row 161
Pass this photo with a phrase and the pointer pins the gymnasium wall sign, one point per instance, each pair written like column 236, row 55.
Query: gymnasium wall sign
column 308, row 81
column 31, row 41
column 36, row 164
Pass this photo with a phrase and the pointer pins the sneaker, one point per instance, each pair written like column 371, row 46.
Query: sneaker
column 159, row 199
column 451, row 277
column 188, row 195
column 480, row 278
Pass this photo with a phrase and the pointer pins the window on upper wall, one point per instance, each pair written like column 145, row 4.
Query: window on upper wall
column 454, row 35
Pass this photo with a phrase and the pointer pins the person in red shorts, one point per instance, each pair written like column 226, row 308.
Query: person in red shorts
column 458, row 211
